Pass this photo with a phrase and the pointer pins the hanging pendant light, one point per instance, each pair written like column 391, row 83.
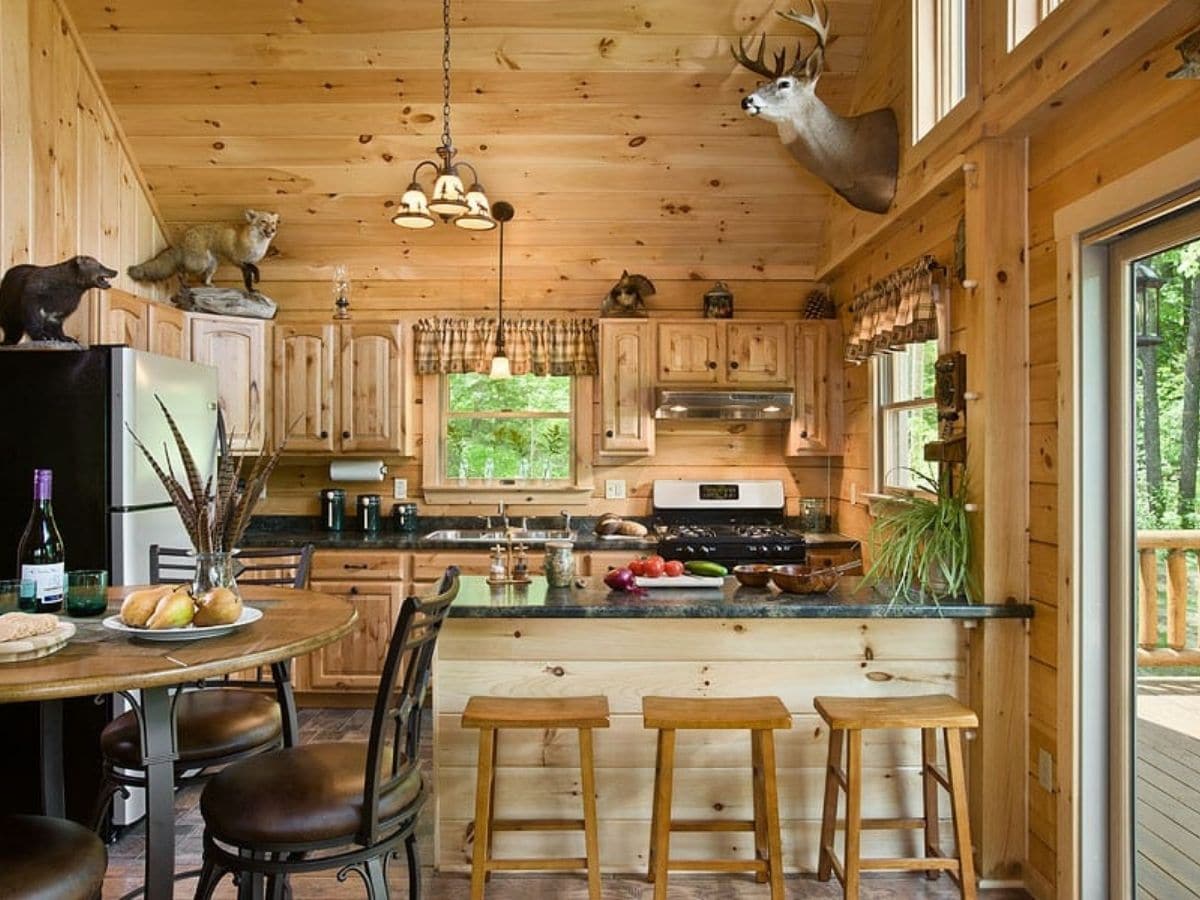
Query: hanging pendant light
column 502, row 212
column 450, row 201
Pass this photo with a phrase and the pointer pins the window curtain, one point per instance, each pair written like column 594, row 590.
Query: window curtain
column 537, row 346
column 897, row 310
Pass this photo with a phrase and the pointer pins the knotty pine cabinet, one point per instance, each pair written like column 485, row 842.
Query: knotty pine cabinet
column 816, row 426
column 168, row 330
column 344, row 387
column 123, row 318
column 238, row 349
column 626, row 387
column 734, row 352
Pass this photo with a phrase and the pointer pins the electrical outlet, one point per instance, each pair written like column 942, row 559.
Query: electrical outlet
column 1046, row 770
column 399, row 488
column 614, row 489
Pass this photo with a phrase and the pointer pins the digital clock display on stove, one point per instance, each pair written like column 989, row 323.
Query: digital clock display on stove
column 718, row 492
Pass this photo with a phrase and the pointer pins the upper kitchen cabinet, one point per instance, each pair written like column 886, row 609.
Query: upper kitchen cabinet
column 626, row 387
column 167, row 330
column 816, row 427
column 237, row 348
column 344, row 388
column 724, row 352
column 123, row 319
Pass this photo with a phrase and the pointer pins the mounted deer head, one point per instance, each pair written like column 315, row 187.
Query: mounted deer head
column 857, row 156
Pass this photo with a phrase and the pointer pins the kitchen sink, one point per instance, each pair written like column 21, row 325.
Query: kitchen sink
column 519, row 535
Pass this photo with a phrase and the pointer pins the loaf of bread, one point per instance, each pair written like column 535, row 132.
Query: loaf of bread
column 16, row 626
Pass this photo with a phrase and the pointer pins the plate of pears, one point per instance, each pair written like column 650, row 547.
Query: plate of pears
column 170, row 613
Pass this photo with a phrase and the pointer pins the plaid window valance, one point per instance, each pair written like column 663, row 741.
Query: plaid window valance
column 538, row 346
column 899, row 309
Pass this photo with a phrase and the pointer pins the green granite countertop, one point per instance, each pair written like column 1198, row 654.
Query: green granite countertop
column 590, row 599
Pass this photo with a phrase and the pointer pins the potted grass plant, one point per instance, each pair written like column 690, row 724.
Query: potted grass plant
column 921, row 545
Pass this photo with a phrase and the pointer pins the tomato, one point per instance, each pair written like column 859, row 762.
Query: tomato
column 637, row 567
column 673, row 568
column 655, row 558
column 654, row 566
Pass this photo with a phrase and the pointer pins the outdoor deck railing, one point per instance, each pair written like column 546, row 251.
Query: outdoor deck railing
column 1174, row 651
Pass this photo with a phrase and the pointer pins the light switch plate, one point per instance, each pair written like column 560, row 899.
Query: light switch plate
column 1046, row 770
column 399, row 488
column 614, row 489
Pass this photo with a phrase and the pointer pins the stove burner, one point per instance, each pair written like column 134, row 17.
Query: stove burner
column 728, row 532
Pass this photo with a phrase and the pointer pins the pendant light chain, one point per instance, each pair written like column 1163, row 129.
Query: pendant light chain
column 446, row 73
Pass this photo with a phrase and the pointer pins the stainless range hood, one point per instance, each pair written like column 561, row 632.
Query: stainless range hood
column 702, row 404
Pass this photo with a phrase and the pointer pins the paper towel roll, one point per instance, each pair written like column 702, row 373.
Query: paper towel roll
column 357, row 470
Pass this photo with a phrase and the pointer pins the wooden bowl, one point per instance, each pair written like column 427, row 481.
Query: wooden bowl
column 796, row 579
column 753, row 575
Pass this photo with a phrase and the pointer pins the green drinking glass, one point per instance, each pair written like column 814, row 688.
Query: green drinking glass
column 87, row 592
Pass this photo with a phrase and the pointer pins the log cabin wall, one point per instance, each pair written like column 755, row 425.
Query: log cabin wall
column 68, row 184
column 1086, row 93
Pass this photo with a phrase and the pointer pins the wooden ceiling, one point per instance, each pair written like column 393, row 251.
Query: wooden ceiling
column 614, row 128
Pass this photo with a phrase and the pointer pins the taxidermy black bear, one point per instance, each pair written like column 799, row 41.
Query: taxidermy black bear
column 628, row 296
column 35, row 300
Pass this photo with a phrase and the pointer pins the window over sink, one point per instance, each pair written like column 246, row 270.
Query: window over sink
column 905, row 415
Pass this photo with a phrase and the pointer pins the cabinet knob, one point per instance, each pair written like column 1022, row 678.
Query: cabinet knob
column 733, row 364
column 345, row 435
column 353, row 590
column 712, row 364
column 608, row 433
column 804, row 434
column 324, row 434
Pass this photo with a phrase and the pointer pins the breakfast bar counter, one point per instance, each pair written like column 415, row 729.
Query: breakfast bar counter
column 531, row 641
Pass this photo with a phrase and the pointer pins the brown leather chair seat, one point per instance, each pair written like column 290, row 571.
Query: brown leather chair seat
column 211, row 724
column 49, row 859
column 298, row 795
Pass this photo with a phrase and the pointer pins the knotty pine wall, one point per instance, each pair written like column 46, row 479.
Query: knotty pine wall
column 1090, row 96
column 68, row 185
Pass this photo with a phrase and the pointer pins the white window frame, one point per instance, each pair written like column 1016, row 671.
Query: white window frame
column 940, row 61
column 883, row 463
column 1026, row 15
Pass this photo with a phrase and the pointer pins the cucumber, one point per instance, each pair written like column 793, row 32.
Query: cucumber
column 705, row 568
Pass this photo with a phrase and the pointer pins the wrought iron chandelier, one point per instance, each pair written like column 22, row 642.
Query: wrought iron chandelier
column 467, row 209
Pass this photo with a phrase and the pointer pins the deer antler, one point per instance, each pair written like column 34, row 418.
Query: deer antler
column 818, row 23
column 758, row 65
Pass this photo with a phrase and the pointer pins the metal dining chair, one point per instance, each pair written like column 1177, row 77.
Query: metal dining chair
column 345, row 806
column 226, row 720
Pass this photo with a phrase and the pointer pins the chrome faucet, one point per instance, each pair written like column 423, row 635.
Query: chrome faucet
column 500, row 511
column 566, row 519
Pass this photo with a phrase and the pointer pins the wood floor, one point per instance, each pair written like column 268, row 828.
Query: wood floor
column 1168, row 790
column 126, row 861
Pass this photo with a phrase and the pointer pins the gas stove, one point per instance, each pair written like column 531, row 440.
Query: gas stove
column 730, row 522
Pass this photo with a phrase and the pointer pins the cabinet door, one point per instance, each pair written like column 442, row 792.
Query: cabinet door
column 376, row 389
column 123, row 319
column 626, row 388
column 305, row 364
column 688, row 352
column 816, row 427
column 168, row 330
column 355, row 662
column 758, row 353
column 237, row 348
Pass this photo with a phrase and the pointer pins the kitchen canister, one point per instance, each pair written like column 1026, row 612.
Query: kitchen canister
column 333, row 508
column 368, row 513
column 404, row 517
column 560, row 563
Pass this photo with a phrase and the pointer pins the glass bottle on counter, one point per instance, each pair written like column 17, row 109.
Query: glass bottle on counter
column 41, row 557
column 521, row 564
column 497, row 569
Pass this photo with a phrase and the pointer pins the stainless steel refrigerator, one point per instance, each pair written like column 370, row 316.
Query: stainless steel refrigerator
column 67, row 410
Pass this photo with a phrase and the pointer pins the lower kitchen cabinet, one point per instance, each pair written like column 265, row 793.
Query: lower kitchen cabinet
column 599, row 562
column 354, row 662
column 827, row 557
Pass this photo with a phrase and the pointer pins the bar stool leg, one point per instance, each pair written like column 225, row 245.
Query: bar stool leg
column 930, row 787
column 958, row 806
column 829, row 811
column 851, row 859
column 491, row 834
column 660, row 838
column 766, row 750
column 757, row 791
column 484, row 783
column 587, row 774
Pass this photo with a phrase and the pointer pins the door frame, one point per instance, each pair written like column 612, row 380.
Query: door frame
column 1093, row 823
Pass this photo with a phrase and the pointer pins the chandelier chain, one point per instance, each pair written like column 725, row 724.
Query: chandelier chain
column 446, row 73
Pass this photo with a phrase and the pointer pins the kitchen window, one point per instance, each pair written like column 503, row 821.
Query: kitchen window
column 939, row 61
column 905, row 416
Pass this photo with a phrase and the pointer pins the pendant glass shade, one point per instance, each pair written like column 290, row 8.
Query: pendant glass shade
column 500, row 367
column 448, row 195
column 478, row 216
column 414, row 209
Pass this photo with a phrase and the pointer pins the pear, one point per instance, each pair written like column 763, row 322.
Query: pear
column 220, row 606
column 137, row 608
column 173, row 611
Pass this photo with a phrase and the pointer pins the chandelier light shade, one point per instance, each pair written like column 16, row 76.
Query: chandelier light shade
column 449, row 200
column 502, row 212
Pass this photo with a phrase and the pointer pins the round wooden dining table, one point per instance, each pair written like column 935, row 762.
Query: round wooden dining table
column 150, row 674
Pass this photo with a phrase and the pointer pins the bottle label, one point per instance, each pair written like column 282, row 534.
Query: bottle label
column 48, row 581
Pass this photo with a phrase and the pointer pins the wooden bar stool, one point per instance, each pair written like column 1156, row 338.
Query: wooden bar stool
column 760, row 716
column 849, row 717
column 489, row 715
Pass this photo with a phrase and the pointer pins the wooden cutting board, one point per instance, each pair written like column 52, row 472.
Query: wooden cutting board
column 36, row 647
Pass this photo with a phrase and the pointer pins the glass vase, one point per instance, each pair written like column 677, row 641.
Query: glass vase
column 214, row 570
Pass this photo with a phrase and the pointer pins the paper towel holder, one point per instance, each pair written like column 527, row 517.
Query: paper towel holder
column 357, row 470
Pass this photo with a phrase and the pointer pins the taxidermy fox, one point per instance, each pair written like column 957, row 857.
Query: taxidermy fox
column 202, row 247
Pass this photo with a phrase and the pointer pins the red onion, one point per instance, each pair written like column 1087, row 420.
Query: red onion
column 622, row 579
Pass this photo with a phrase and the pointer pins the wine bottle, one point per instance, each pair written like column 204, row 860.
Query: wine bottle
column 40, row 554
